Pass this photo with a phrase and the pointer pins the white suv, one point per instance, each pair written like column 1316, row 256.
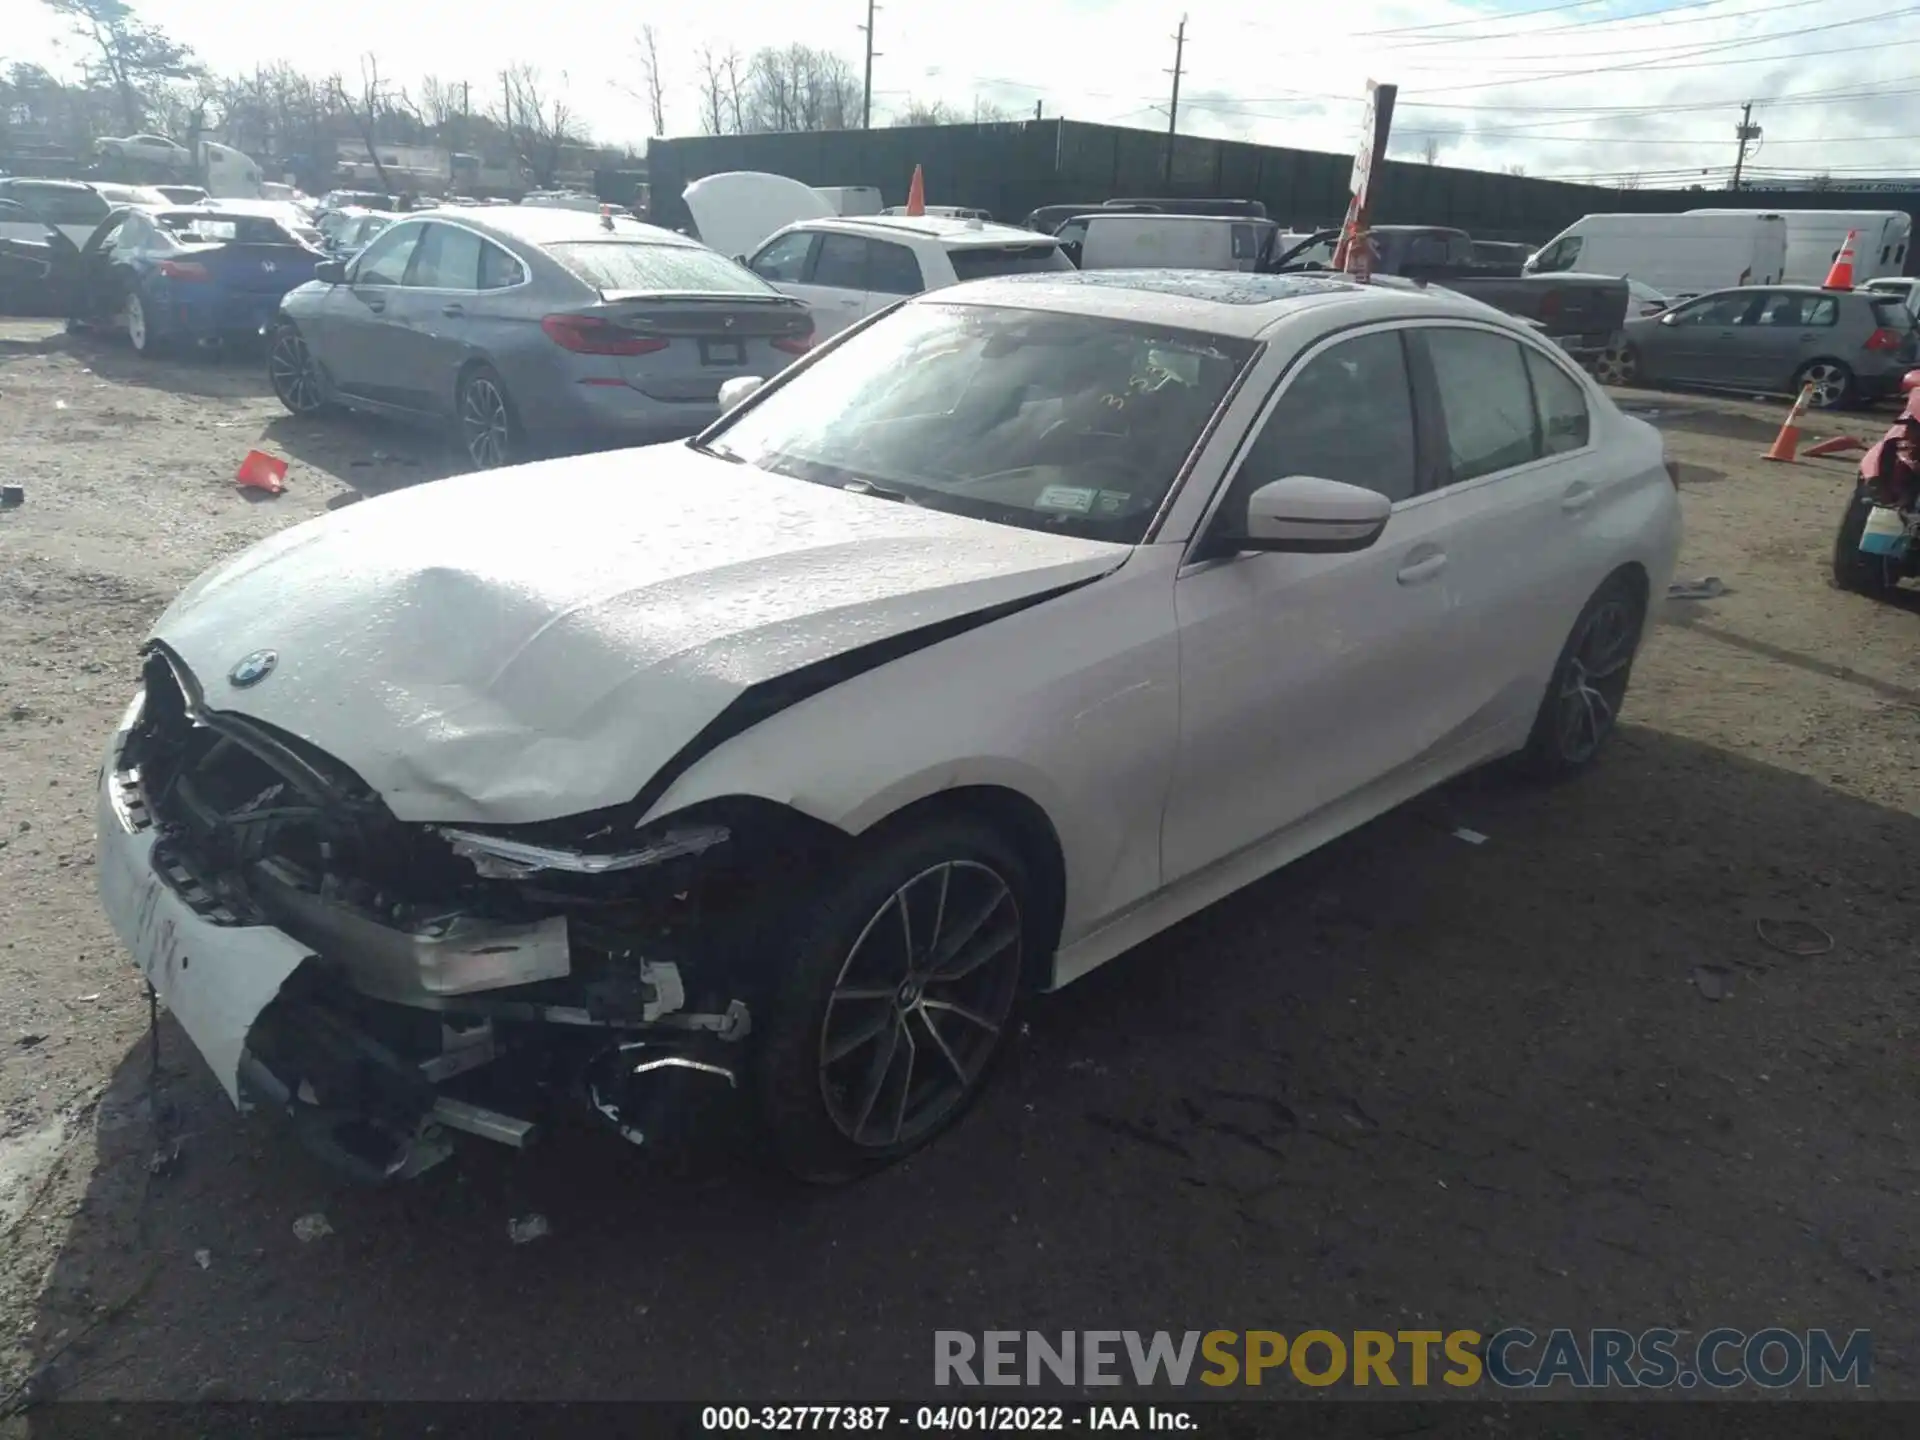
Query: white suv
column 845, row 269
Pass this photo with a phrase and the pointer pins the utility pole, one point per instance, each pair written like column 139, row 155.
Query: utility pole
column 1036, row 109
column 1173, row 106
column 1745, row 131
column 866, row 90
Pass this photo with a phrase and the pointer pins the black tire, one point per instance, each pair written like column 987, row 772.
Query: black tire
column 293, row 372
column 1581, row 708
column 1863, row 574
column 1834, row 385
column 1619, row 365
column 485, row 420
column 836, row 1105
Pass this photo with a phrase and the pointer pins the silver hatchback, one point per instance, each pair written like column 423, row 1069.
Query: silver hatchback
column 1849, row 345
column 531, row 331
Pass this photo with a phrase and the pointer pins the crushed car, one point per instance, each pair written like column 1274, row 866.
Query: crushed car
column 778, row 765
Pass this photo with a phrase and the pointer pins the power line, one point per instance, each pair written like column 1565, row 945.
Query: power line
column 1481, row 19
column 1624, row 22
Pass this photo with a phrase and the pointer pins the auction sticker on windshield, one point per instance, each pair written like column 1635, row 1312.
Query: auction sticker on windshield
column 1075, row 498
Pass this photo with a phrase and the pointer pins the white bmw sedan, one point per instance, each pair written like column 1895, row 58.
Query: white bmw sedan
column 1006, row 630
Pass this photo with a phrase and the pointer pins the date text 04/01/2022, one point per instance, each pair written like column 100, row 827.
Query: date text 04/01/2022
column 941, row 1419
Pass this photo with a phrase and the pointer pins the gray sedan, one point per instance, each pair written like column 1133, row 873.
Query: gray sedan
column 1850, row 345
column 531, row 331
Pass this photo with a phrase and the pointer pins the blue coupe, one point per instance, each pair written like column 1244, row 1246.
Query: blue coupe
column 197, row 273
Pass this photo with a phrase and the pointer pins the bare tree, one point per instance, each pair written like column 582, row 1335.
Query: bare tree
column 1518, row 170
column 135, row 58
column 373, row 99
column 1430, row 151
column 538, row 129
column 719, row 91
column 649, row 44
column 799, row 88
column 734, row 68
column 925, row 112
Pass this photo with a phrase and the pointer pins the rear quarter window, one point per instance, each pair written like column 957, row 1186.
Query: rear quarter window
column 979, row 262
column 637, row 265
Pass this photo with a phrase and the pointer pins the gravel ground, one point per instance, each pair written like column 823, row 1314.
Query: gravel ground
column 1409, row 1079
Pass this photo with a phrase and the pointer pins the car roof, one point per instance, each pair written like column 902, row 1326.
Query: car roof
column 950, row 231
column 547, row 225
column 46, row 180
column 1220, row 302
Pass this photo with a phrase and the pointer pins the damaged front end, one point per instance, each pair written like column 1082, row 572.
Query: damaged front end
column 383, row 983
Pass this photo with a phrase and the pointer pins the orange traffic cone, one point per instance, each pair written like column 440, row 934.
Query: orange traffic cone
column 1839, row 445
column 1786, row 444
column 917, row 194
column 1840, row 277
column 261, row 471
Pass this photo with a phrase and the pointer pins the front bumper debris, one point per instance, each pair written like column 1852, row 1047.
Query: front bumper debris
column 379, row 1045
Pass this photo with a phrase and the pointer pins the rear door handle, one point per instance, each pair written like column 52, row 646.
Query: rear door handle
column 455, row 308
column 1578, row 497
column 852, row 304
column 1425, row 568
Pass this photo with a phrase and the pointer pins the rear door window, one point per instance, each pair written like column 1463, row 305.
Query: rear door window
column 840, row 262
column 893, row 269
column 1565, row 422
column 1486, row 400
column 447, row 258
column 978, row 262
column 1798, row 312
column 498, row 269
column 630, row 266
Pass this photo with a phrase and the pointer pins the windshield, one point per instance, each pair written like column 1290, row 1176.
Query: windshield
column 612, row 266
column 1069, row 423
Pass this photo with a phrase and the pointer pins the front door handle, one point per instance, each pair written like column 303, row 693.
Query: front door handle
column 373, row 303
column 1425, row 568
column 1578, row 497
column 454, row 308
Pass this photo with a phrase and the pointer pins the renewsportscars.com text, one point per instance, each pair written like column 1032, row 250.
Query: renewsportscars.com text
column 1515, row 1358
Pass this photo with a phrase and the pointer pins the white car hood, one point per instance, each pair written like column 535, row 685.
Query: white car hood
column 734, row 212
column 532, row 643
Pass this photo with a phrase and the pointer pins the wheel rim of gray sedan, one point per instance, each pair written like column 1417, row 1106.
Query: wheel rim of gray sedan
column 290, row 367
column 483, row 412
column 918, row 1006
column 1596, row 680
column 1616, row 366
column 136, row 322
column 1829, row 383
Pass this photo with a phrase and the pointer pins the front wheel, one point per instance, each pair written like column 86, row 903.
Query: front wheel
column 140, row 332
column 1618, row 364
column 1582, row 705
column 294, row 373
column 489, row 430
column 890, row 1009
column 1832, row 383
column 1853, row 568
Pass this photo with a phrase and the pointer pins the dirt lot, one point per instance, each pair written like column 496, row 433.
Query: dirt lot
column 1410, row 1079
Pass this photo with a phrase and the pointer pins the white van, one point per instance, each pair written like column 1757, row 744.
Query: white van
column 1679, row 255
column 851, row 199
column 1814, row 238
column 1174, row 242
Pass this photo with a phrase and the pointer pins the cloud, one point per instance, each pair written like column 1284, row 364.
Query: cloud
column 1606, row 87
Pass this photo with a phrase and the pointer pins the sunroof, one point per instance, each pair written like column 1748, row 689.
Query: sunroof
column 1221, row 287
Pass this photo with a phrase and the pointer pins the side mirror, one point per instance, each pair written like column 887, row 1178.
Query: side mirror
column 1306, row 515
column 740, row 260
column 733, row 391
column 331, row 272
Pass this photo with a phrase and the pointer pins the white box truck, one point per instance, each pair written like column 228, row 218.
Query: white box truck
column 1814, row 238
column 1679, row 255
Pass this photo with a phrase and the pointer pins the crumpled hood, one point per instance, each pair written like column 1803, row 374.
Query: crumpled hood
column 531, row 643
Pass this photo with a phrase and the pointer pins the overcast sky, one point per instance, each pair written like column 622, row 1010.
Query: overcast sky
column 1648, row 86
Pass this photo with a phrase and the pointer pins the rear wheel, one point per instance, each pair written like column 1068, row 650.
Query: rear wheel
column 294, row 373
column 893, row 1002
column 489, row 430
column 1853, row 569
column 1582, row 704
column 1832, row 383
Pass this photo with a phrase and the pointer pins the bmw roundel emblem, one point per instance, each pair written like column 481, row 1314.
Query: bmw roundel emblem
column 252, row 669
